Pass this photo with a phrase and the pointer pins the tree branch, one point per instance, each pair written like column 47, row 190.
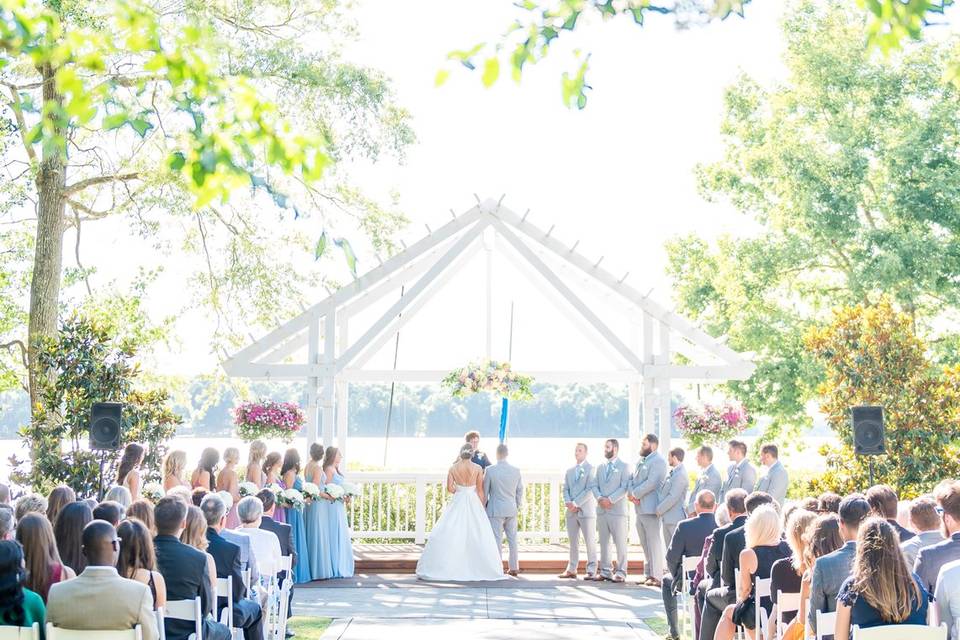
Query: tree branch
column 90, row 182
column 17, row 108
column 23, row 349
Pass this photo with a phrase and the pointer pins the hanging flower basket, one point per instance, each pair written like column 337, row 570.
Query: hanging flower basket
column 711, row 423
column 267, row 419
column 489, row 376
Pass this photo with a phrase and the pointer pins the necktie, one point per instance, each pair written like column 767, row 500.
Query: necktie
column 579, row 473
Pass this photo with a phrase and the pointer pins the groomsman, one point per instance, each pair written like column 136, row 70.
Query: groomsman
column 740, row 473
column 775, row 481
column 610, row 489
column 708, row 480
column 503, row 488
column 648, row 475
column 480, row 458
column 672, row 494
column 578, row 485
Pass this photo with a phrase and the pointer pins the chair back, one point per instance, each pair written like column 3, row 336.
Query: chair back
column 161, row 630
column 188, row 610
column 286, row 564
column 761, row 589
column 225, row 590
column 786, row 603
column 901, row 631
column 245, row 576
column 826, row 624
column 21, row 633
column 56, row 633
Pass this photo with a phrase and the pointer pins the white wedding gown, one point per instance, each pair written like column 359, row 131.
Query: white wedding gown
column 461, row 546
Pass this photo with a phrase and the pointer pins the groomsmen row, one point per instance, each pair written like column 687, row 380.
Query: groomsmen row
column 659, row 489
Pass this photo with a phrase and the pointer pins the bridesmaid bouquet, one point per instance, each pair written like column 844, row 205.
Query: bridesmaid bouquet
column 336, row 491
column 248, row 489
column 152, row 491
column 290, row 499
column 310, row 491
column 350, row 489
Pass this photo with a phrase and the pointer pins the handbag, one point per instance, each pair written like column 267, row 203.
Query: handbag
column 744, row 613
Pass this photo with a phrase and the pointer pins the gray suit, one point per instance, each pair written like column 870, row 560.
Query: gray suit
column 931, row 560
column 911, row 548
column 829, row 574
column 503, row 488
column 670, row 499
column 248, row 560
column 648, row 475
column 709, row 479
column 578, row 485
column 612, row 482
column 740, row 475
column 775, row 482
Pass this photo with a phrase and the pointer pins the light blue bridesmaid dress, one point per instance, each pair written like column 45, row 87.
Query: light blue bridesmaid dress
column 301, row 572
column 341, row 549
column 316, row 516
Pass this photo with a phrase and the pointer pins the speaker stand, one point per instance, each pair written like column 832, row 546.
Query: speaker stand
column 103, row 459
column 871, row 471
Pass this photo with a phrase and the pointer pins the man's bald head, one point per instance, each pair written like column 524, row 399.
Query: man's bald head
column 101, row 547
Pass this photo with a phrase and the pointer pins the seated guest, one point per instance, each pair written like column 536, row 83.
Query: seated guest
column 831, row 570
column 68, row 532
column 265, row 544
column 763, row 547
column 932, row 558
column 194, row 534
column 110, row 511
column 247, row 614
column 787, row 573
column 284, row 533
column 926, row 522
column 120, row 495
column 884, row 502
column 809, row 504
column 7, row 523
column 881, row 590
column 182, row 492
column 822, row 537
column 99, row 599
column 947, row 598
column 828, row 503
column 42, row 559
column 19, row 606
column 736, row 541
column 718, row 593
column 4, row 494
column 248, row 555
column 184, row 571
column 138, row 560
column 198, row 495
column 58, row 499
column 30, row 503
column 700, row 576
column 142, row 510
column 687, row 541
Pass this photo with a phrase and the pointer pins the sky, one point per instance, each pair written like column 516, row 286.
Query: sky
column 617, row 176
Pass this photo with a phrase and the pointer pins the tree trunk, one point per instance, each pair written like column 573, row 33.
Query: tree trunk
column 48, row 258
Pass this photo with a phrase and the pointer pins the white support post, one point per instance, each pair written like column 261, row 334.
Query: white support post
column 663, row 388
column 342, row 389
column 633, row 416
column 313, row 383
column 649, row 401
column 489, row 237
column 555, row 524
column 329, row 357
column 420, row 512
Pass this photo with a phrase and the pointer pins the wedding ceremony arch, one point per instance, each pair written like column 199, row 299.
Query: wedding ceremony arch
column 327, row 345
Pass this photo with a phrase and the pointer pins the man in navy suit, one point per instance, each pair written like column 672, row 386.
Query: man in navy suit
column 247, row 614
column 714, row 595
column 687, row 541
column 480, row 458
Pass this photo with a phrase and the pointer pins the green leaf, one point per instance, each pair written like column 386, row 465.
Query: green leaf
column 321, row 247
column 491, row 71
column 442, row 76
column 348, row 253
column 115, row 121
column 141, row 126
column 177, row 160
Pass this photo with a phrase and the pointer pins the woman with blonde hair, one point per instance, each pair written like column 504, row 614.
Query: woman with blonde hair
column 173, row 467
column 228, row 481
column 787, row 573
column 255, row 474
column 194, row 534
column 881, row 589
column 142, row 510
column 764, row 548
column 59, row 498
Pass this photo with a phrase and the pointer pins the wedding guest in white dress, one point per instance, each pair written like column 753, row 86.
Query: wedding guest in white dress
column 581, row 516
column 461, row 546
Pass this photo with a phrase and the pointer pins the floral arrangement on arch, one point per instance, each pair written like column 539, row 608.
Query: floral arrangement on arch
column 489, row 376
column 267, row 419
column 711, row 423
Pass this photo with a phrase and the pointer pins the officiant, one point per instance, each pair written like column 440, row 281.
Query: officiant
column 473, row 439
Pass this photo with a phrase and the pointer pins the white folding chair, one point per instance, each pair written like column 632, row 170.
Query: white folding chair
column 740, row 634
column 161, row 630
column 761, row 589
column 688, row 564
column 21, row 633
column 826, row 624
column 56, row 633
column 786, row 603
column 280, row 628
column 188, row 610
column 245, row 575
column 225, row 590
column 901, row 631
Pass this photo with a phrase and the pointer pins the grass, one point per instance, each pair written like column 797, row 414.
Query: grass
column 658, row 625
column 308, row 628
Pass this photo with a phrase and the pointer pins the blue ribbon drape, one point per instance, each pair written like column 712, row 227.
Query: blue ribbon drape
column 504, row 412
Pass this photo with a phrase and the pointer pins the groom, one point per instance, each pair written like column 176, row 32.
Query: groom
column 503, row 488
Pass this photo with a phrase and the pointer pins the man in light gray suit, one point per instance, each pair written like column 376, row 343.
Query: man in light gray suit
column 775, row 481
column 648, row 475
column 708, row 480
column 581, row 514
column 503, row 488
column 832, row 570
column 672, row 494
column 610, row 490
column 931, row 559
column 740, row 473
column 926, row 522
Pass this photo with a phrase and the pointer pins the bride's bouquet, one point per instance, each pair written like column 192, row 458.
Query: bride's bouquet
column 248, row 489
column 336, row 491
column 310, row 491
column 290, row 499
column 152, row 491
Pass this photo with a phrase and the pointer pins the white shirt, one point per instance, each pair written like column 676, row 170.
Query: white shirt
column 947, row 595
column 266, row 547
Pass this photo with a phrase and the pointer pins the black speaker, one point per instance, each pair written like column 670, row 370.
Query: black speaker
column 868, row 434
column 105, row 425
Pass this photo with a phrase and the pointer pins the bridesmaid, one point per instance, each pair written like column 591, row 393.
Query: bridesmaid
column 340, row 548
column 290, row 479
column 255, row 474
column 173, row 470
column 227, row 481
column 204, row 476
column 128, row 473
column 316, row 515
column 271, row 475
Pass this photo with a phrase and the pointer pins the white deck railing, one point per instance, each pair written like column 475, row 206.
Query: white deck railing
column 405, row 506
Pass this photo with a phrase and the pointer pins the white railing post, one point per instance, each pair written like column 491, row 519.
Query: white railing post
column 554, row 497
column 420, row 516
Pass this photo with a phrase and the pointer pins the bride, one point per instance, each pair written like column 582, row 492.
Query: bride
column 461, row 546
